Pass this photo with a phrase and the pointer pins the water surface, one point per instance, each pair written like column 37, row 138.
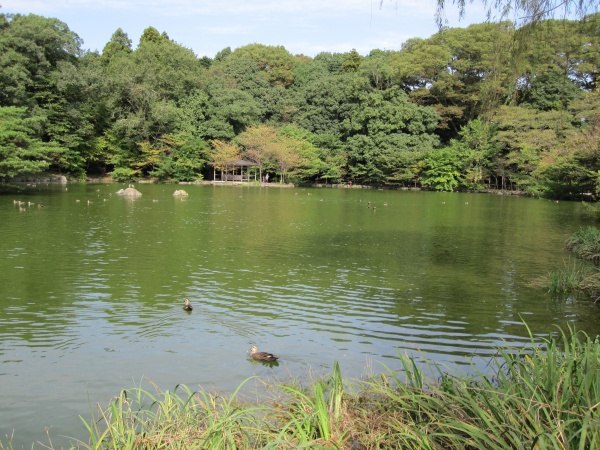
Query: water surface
column 92, row 286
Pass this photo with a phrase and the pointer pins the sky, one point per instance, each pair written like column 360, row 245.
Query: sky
column 208, row 26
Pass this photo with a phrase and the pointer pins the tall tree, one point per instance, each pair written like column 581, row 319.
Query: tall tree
column 222, row 153
column 258, row 141
column 462, row 73
column 385, row 135
column 22, row 152
column 31, row 47
column 119, row 43
column 528, row 11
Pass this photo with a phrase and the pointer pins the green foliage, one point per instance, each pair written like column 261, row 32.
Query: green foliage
column 461, row 72
column 122, row 174
column 219, row 114
column 22, row 152
column 151, row 36
column 119, row 42
column 426, row 115
column 31, row 47
column 478, row 151
column 550, row 91
column 578, row 277
column 591, row 210
column 176, row 158
column 386, row 135
column 585, row 243
column 274, row 63
column 529, row 140
column 351, row 61
column 573, row 278
column 443, row 169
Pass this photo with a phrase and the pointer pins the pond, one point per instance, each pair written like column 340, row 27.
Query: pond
column 93, row 286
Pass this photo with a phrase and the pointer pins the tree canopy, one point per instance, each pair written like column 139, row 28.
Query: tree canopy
column 489, row 106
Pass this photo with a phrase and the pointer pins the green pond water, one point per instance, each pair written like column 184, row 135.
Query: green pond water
column 92, row 286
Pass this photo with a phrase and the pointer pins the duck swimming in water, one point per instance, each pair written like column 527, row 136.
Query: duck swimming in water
column 261, row 356
column 187, row 306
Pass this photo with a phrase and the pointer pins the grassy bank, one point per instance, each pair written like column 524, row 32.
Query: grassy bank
column 581, row 275
column 543, row 396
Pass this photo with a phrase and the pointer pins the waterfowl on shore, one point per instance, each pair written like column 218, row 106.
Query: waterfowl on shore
column 187, row 306
column 262, row 356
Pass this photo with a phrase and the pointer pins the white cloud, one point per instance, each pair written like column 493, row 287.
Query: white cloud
column 207, row 26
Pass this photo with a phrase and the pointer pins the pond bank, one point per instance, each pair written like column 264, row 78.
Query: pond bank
column 62, row 179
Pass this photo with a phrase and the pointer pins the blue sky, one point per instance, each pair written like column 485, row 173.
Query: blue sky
column 208, row 26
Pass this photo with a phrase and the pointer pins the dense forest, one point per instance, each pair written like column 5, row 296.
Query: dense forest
column 489, row 106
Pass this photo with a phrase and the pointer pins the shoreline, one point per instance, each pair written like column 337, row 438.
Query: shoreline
column 62, row 179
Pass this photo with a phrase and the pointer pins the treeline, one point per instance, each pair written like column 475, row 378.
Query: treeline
column 483, row 107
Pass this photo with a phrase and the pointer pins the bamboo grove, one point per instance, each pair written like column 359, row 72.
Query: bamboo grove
column 490, row 106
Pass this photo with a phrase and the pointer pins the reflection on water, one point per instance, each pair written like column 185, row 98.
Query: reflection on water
column 92, row 292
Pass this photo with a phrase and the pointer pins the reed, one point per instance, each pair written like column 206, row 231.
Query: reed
column 585, row 243
column 540, row 397
column 543, row 396
column 571, row 278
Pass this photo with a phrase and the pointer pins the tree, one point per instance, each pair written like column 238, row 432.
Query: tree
column 174, row 158
column 287, row 154
column 442, row 169
column 31, row 47
column 144, row 88
column 22, row 152
column 462, row 73
column 352, row 61
column 529, row 11
column 220, row 113
column 249, row 70
column 151, row 35
column 80, row 115
column 222, row 153
column 307, row 163
column 322, row 104
column 275, row 63
column 525, row 139
column 478, row 152
column 258, row 141
column 223, row 54
column 385, row 131
column 119, row 42
column 378, row 68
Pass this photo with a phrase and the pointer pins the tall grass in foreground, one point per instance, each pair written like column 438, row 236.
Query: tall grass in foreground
column 543, row 397
column 540, row 397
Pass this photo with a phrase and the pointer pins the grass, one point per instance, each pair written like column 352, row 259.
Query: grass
column 576, row 276
column 540, row 397
column 579, row 276
column 591, row 210
column 585, row 243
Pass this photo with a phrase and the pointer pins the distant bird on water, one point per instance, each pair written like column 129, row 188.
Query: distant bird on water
column 187, row 306
column 261, row 356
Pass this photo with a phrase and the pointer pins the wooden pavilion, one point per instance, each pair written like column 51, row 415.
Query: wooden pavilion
column 234, row 171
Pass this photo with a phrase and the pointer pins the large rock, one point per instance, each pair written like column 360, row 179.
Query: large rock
column 180, row 193
column 129, row 192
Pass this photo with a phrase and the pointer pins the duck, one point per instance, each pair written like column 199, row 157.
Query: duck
column 187, row 306
column 262, row 356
